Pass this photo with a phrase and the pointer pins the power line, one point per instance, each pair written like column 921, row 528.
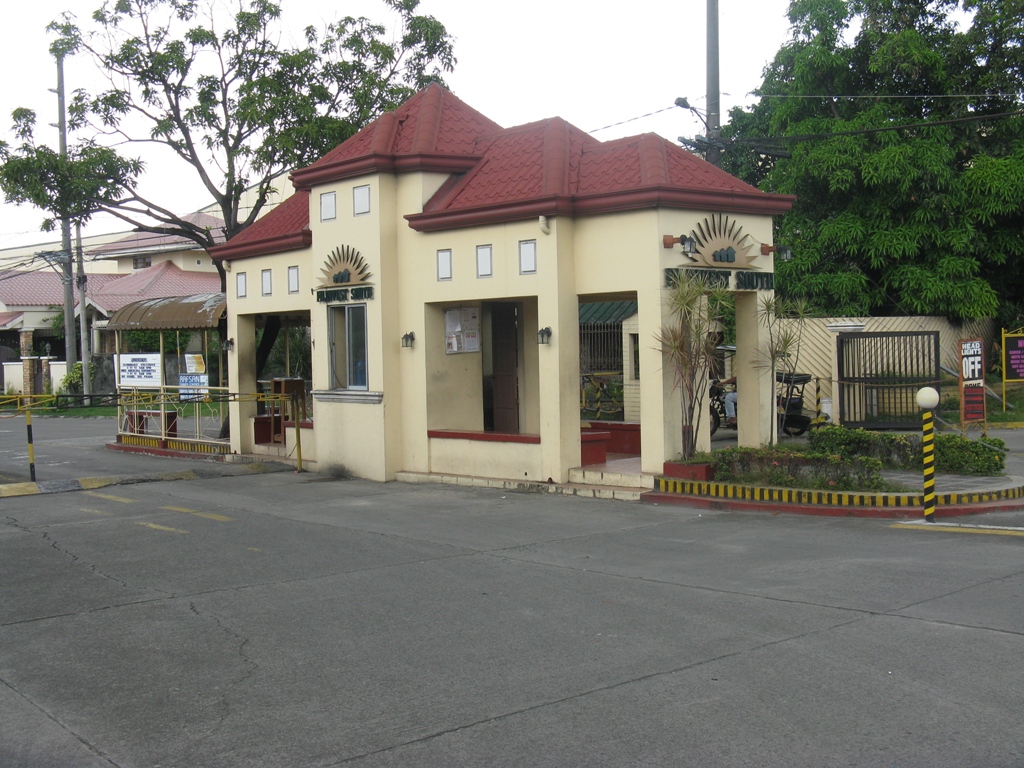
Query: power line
column 633, row 119
column 886, row 96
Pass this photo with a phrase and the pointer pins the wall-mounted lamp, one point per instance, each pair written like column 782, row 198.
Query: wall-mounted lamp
column 544, row 335
column 688, row 243
column 408, row 339
column 783, row 252
column 47, row 347
column 229, row 344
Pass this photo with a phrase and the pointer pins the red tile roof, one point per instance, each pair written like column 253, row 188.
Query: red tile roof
column 544, row 168
column 159, row 281
column 285, row 228
column 432, row 131
column 40, row 288
column 6, row 318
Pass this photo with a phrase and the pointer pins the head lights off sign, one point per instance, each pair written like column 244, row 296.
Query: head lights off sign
column 972, row 382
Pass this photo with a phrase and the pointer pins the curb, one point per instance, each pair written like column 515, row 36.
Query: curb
column 726, row 496
column 12, row 490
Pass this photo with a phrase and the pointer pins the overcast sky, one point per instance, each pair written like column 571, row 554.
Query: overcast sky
column 517, row 62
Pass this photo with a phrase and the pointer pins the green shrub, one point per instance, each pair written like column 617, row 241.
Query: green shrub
column 963, row 456
column 893, row 449
column 794, row 469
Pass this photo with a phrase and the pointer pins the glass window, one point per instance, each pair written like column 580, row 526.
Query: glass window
column 141, row 262
column 328, row 206
column 483, row 261
column 361, row 200
column 444, row 265
column 240, row 285
column 265, row 279
column 293, row 279
column 527, row 256
column 348, row 347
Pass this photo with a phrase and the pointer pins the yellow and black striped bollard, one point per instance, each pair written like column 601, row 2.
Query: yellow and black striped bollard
column 927, row 399
column 31, row 447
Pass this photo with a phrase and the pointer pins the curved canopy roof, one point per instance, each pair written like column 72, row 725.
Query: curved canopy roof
column 202, row 310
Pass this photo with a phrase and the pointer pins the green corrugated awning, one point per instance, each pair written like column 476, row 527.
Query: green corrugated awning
column 606, row 312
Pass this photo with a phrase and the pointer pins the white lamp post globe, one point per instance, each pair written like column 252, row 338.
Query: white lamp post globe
column 927, row 398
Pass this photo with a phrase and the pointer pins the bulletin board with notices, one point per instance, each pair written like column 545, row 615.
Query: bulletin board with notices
column 462, row 330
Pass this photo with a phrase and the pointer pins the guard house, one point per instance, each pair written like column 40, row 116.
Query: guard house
column 440, row 260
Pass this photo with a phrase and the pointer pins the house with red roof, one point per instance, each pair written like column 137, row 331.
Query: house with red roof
column 440, row 262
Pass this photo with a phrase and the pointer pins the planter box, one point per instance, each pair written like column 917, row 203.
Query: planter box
column 703, row 472
column 593, row 447
column 624, row 435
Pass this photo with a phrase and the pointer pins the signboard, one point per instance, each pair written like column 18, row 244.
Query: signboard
column 1013, row 357
column 972, row 382
column 461, row 330
column 139, row 370
column 195, row 364
column 193, row 386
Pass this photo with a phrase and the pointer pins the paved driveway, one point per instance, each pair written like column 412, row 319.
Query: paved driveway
column 290, row 620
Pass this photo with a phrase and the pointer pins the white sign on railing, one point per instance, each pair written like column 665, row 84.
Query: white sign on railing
column 139, row 371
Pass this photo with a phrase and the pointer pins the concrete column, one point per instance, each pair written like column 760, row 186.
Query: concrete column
column 755, row 407
column 242, row 375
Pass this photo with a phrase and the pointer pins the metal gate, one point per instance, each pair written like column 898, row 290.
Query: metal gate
column 880, row 374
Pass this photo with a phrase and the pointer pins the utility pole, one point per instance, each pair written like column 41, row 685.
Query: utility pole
column 714, row 151
column 83, row 323
column 71, row 353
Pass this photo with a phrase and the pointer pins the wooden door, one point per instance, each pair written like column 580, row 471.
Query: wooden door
column 505, row 346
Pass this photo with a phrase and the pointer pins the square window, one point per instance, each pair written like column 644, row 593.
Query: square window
column 265, row 279
column 328, row 206
column 141, row 262
column 527, row 257
column 293, row 279
column 361, row 200
column 240, row 285
column 348, row 347
column 444, row 265
column 484, row 268
column 199, row 262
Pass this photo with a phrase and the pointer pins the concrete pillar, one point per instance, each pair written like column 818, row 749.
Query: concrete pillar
column 755, row 407
column 242, row 374
column 28, row 367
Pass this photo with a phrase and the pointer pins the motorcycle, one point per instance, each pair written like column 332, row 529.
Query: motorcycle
column 789, row 402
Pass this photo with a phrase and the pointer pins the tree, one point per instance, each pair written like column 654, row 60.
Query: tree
column 222, row 95
column 904, row 149
column 689, row 343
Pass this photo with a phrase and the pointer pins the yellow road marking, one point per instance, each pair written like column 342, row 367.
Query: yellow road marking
column 109, row 497
column 18, row 489
column 96, row 511
column 156, row 527
column 254, row 549
column 957, row 528
column 96, row 482
column 197, row 513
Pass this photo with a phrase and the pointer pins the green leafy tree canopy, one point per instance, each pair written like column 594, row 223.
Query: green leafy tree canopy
column 218, row 90
column 900, row 133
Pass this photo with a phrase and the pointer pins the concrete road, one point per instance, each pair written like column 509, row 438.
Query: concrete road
column 290, row 620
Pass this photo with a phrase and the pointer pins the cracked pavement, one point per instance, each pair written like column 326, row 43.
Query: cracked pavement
column 293, row 620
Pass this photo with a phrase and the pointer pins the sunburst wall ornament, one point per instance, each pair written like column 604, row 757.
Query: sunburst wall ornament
column 722, row 244
column 345, row 267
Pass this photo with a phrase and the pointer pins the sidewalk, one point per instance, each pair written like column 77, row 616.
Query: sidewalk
column 71, row 454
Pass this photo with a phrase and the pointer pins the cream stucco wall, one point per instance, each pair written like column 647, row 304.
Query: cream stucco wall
column 379, row 431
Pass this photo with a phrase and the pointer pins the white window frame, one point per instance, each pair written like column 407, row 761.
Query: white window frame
column 527, row 257
column 444, row 264
column 240, row 285
column 293, row 279
column 267, row 282
column 328, row 206
column 344, row 350
column 484, row 261
column 361, row 200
